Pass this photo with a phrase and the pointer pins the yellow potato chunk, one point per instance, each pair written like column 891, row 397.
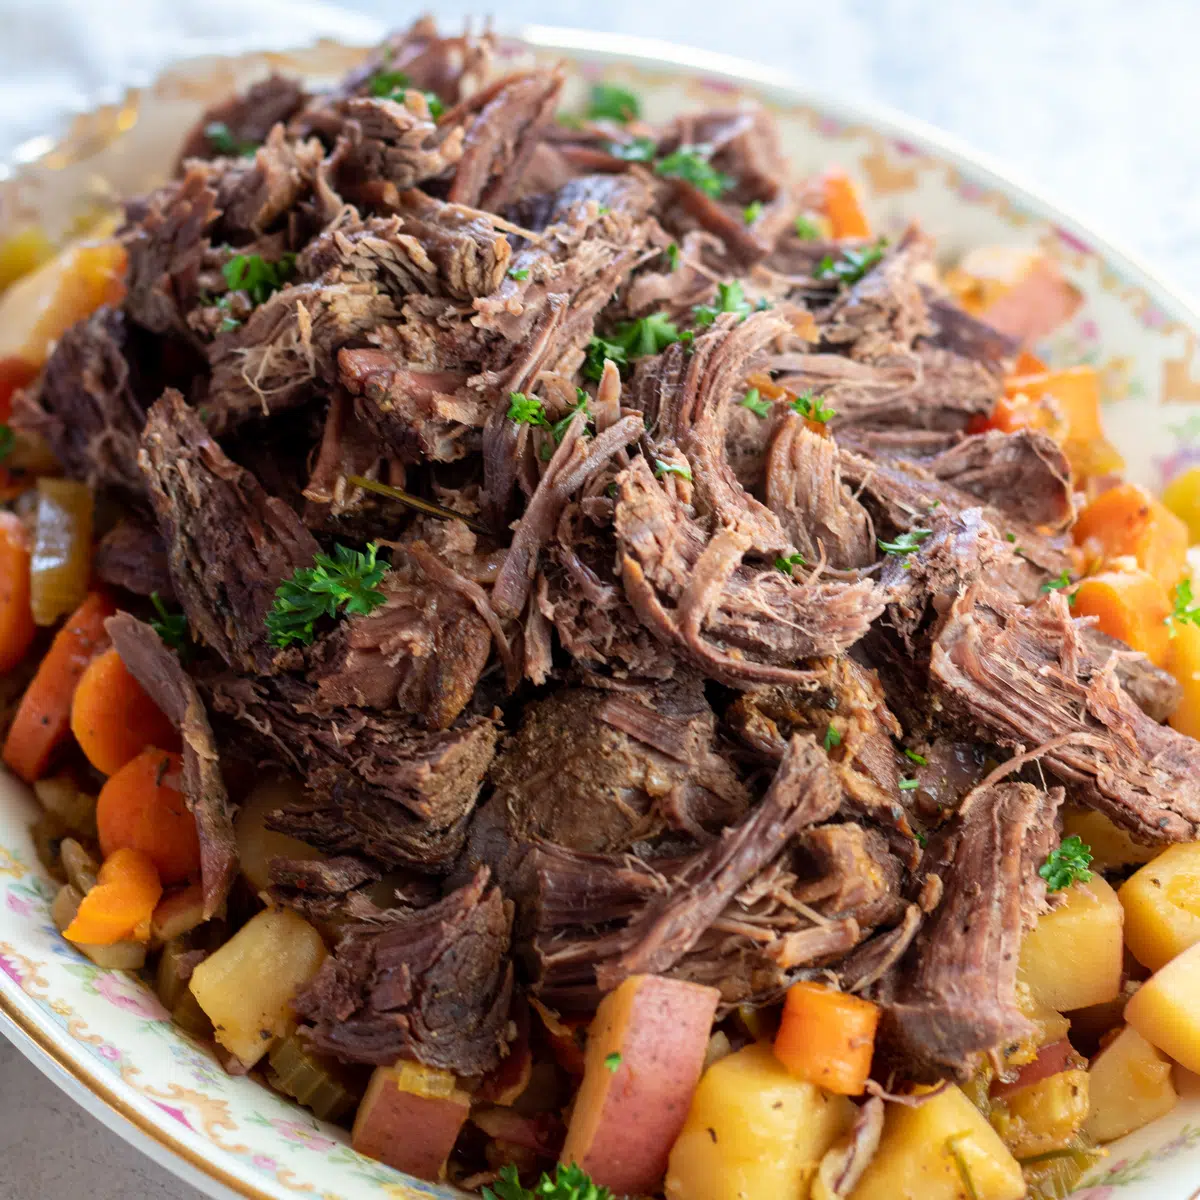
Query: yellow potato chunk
column 1162, row 906
column 1111, row 846
column 1182, row 497
column 1165, row 1010
column 1044, row 1116
column 942, row 1150
column 1072, row 957
column 1129, row 1085
column 245, row 987
column 1183, row 661
column 753, row 1130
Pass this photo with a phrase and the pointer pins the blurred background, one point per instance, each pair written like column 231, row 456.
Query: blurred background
column 1090, row 101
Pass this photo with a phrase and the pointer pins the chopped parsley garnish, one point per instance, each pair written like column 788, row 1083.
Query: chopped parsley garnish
column 668, row 468
column 1185, row 612
column 832, row 738
column 853, row 264
column 220, row 138
column 812, row 407
column 907, row 785
column 913, row 756
column 905, row 543
column 612, row 1061
column 346, row 581
column 388, row 85
column 569, row 1183
column 922, row 840
column 755, row 403
column 597, row 351
column 521, row 273
column 786, row 565
column 672, row 253
column 436, row 107
column 559, row 429
column 1067, row 865
column 806, row 229
column 752, row 211
column 1057, row 584
column 171, row 627
column 259, row 279
column 690, row 163
column 613, row 103
column 646, row 335
column 641, row 149
column 8, row 441
column 526, row 410
column 730, row 299
column 1010, row 537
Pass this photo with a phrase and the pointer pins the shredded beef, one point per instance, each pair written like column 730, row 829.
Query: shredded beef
column 133, row 556
column 247, row 117
column 429, row 984
column 321, row 889
column 164, row 680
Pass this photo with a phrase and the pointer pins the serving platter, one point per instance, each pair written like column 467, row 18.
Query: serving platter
column 103, row 1036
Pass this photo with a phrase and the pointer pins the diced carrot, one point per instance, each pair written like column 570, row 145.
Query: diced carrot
column 142, row 808
column 44, row 714
column 121, row 904
column 843, row 208
column 113, row 719
column 827, row 1037
column 15, row 373
column 1018, row 411
column 1028, row 364
column 1077, row 391
column 1130, row 605
column 16, row 620
column 1127, row 520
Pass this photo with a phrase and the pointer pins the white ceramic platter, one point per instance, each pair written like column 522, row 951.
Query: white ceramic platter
column 102, row 1035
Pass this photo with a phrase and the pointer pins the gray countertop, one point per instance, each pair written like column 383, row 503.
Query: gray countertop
column 1093, row 101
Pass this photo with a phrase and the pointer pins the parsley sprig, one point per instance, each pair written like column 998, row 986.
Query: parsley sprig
column 755, row 403
column 1067, row 864
column 220, row 138
column 853, row 264
column 905, row 543
column 787, row 565
column 1058, row 584
column 526, row 410
column 1185, row 611
column 631, row 339
column 730, row 299
column 346, row 581
column 832, row 738
column 171, row 627
column 806, row 229
column 692, row 165
column 752, row 212
column 669, row 468
column 391, row 85
column 613, row 103
column 569, row 1183
column 259, row 279
column 812, row 407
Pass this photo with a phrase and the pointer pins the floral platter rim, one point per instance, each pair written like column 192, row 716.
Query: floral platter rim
column 91, row 1070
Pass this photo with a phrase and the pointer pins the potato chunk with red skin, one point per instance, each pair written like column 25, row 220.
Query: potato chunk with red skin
column 645, row 1052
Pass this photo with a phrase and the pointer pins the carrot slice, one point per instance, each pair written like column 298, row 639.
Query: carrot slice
column 17, row 629
column 121, row 904
column 1077, row 391
column 843, row 208
column 113, row 719
column 142, row 808
column 1129, row 605
column 1127, row 520
column 827, row 1037
column 1028, row 364
column 44, row 715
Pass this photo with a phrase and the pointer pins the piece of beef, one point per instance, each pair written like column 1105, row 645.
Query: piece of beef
column 158, row 671
column 503, row 124
column 255, row 194
column 881, row 316
column 1156, row 692
column 86, row 403
column 953, row 998
column 738, row 623
column 804, row 489
column 429, row 984
column 381, row 788
column 229, row 544
column 133, row 556
column 1022, row 676
column 655, row 916
column 166, row 239
column 967, row 336
column 421, row 651
column 244, row 120
column 602, row 770
column 324, row 889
